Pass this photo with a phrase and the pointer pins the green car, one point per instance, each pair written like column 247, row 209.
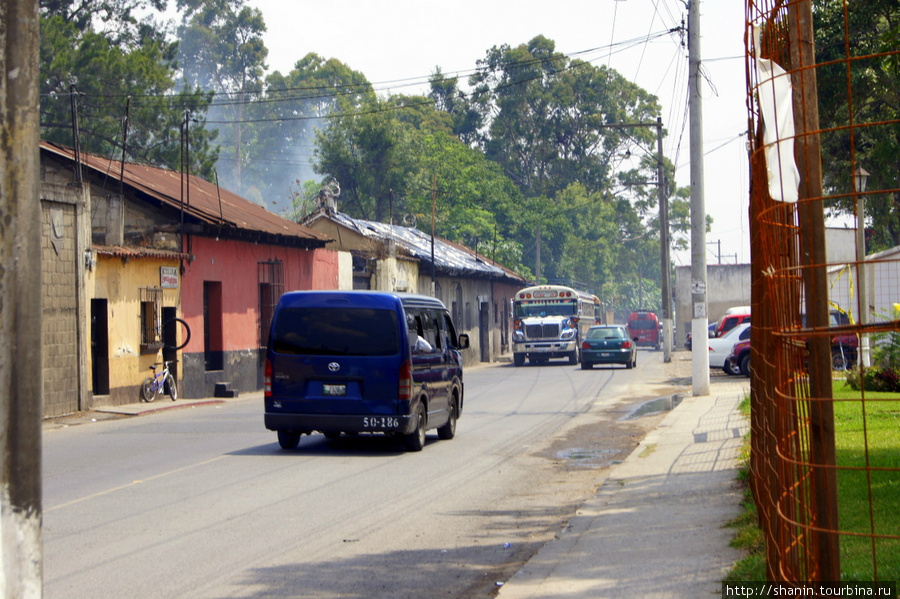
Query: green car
column 608, row 344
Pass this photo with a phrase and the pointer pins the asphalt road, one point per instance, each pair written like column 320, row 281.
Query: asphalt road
column 203, row 502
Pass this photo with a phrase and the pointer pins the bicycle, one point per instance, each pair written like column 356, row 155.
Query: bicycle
column 156, row 384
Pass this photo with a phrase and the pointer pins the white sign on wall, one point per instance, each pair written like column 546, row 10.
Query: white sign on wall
column 168, row 277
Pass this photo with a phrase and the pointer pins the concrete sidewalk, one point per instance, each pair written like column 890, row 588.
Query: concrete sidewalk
column 655, row 526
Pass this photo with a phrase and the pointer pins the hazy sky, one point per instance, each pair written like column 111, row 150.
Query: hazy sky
column 396, row 44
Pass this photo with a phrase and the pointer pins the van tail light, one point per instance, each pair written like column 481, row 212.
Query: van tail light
column 405, row 383
column 267, row 379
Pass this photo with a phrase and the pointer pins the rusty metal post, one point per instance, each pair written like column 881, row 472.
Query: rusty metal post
column 826, row 558
column 20, row 303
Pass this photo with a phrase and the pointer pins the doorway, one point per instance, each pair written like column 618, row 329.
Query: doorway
column 100, row 346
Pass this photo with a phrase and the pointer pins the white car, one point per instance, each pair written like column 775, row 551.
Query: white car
column 720, row 347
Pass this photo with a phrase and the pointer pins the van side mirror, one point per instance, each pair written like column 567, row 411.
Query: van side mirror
column 463, row 341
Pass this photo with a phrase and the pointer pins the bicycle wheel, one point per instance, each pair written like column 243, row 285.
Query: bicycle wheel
column 148, row 393
column 187, row 333
column 173, row 390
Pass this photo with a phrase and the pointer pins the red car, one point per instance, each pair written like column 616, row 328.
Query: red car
column 739, row 359
column 844, row 351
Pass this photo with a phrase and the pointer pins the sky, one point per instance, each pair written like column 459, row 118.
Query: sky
column 397, row 44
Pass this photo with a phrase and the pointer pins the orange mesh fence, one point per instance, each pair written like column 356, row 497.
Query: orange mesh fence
column 823, row 100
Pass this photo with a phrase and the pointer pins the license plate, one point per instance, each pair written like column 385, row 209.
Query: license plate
column 380, row 422
column 605, row 354
column 334, row 390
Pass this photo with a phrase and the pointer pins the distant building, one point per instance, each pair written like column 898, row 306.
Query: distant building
column 385, row 257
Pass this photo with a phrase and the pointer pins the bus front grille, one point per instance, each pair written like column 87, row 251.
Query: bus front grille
column 542, row 331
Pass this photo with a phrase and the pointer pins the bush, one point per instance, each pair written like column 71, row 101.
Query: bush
column 874, row 379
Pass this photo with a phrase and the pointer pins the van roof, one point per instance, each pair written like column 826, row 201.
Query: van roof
column 357, row 298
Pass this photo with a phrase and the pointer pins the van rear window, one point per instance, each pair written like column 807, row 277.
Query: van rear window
column 642, row 324
column 336, row 332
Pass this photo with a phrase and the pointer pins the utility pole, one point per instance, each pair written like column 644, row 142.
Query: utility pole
column 665, row 283
column 21, row 398
column 699, row 315
column 665, row 278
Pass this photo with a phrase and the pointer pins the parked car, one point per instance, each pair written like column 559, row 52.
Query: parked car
column 608, row 344
column 720, row 347
column 739, row 358
column 710, row 334
column 844, row 349
column 644, row 328
column 732, row 318
column 362, row 362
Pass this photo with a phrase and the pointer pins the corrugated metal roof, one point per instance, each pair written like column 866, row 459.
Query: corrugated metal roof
column 205, row 202
column 449, row 257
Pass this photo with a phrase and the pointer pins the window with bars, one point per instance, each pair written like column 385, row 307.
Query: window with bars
column 271, row 286
column 151, row 300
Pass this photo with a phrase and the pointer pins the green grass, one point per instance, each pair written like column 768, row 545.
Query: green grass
column 882, row 438
column 747, row 536
column 881, row 435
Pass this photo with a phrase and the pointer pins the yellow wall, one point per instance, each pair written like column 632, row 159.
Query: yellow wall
column 120, row 285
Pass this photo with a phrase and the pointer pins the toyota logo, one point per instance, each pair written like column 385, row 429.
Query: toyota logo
column 334, row 366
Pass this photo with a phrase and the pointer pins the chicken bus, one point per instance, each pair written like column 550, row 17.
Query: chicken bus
column 549, row 321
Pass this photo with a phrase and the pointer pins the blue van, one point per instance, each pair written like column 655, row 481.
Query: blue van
column 363, row 362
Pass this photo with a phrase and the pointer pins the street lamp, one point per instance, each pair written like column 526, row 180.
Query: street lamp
column 860, row 178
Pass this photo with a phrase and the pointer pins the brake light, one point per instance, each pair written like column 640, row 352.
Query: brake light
column 585, row 345
column 267, row 379
column 405, row 383
column 626, row 344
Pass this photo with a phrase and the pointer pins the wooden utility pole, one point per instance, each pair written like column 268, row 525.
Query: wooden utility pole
column 807, row 152
column 664, row 249
column 20, row 303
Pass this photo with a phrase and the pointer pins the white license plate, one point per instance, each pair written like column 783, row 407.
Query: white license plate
column 605, row 354
column 380, row 422
column 334, row 390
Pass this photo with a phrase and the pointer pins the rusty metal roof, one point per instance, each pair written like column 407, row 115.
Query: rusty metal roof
column 203, row 201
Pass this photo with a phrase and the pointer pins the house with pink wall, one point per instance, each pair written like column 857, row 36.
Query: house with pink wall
column 146, row 264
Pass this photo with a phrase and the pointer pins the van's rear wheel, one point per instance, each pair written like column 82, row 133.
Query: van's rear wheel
column 415, row 441
column 288, row 439
column 448, row 431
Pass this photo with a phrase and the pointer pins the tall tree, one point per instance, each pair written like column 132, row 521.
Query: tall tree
column 873, row 35
column 545, row 116
column 222, row 51
column 373, row 155
column 96, row 78
column 285, row 119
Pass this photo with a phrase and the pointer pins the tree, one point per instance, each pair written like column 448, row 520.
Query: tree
column 106, row 79
column 373, row 155
column 873, row 34
column 448, row 98
column 285, row 119
column 544, row 115
column 222, row 51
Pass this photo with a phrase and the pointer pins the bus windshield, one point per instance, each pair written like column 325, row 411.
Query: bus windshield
column 546, row 308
